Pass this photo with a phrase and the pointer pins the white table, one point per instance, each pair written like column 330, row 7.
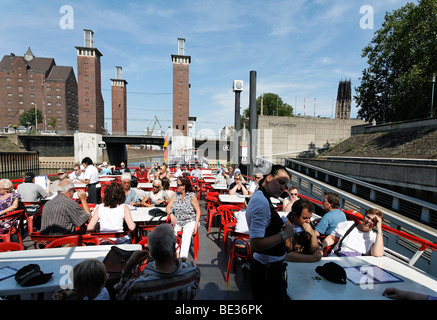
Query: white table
column 227, row 198
column 149, row 185
column 209, row 179
column 220, row 187
column 60, row 261
column 304, row 285
column 142, row 214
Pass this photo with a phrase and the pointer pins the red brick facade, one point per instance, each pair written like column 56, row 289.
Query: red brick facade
column 27, row 82
column 181, row 93
column 91, row 105
column 119, row 107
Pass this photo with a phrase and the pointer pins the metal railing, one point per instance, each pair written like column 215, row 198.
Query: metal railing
column 406, row 239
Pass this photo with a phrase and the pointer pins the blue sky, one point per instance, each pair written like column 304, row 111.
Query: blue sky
column 299, row 49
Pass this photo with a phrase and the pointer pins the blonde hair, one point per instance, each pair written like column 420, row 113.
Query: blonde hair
column 7, row 184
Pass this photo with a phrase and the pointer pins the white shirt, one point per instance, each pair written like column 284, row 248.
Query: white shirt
column 92, row 174
column 73, row 176
column 355, row 241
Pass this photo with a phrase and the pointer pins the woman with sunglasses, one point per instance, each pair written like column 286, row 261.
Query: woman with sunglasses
column 293, row 193
column 186, row 214
column 157, row 196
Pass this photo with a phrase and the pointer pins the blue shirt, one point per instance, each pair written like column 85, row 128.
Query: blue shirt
column 329, row 221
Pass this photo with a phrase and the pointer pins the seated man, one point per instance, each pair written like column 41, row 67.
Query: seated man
column 332, row 217
column 350, row 238
column 167, row 277
column 141, row 174
column 254, row 183
column 292, row 197
column 31, row 192
column 303, row 245
column 123, row 168
column 62, row 214
column 153, row 171
column 62, row 175
column 106, row 169
column 76, row 174
column 196, row 172
column 238, row 187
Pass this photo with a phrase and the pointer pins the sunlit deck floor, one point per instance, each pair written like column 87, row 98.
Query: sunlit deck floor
column 213, row 263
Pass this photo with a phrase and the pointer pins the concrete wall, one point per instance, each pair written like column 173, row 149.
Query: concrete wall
column 283, row 136
column 86, row 145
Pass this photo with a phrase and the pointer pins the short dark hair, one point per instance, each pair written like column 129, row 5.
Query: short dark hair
column 274, row 172
column 114, row 195
column 133, row 182
column 186, row 182
column 87, row 161
column 333, row 198
column 299, row 206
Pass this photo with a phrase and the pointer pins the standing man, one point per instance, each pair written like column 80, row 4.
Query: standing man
column 91, row 178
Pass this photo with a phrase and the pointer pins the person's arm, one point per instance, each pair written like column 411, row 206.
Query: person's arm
column 244, row 190
column 314, row 245
column 286, row 205
column 233, row 190
column 168, row 210
column 377, row 249
column 82, row 197
column 144, row 201
column 394, row 293
column 195, row 204
column 329, row 241
column 301, row 257
column 128, row 219
column 261, row 244
column 93, row 222
column 12, row 207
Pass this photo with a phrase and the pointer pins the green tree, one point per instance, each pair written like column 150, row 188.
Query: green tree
column 29, row 116
column 53, row 121
column 402, row 58
column 272, row 106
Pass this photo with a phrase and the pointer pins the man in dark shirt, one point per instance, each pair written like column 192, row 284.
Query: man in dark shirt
column 62, row 214
column 303, row 245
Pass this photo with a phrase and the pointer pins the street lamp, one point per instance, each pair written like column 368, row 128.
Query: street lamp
column 432, row 94
column 237, row 88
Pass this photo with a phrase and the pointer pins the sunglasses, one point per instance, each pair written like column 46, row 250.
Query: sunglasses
column 294, row 194
column 156, row 186
column 180, row 185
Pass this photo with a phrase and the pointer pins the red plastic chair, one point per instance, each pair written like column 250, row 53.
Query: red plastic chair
column 212, row 203
column 43, row 240
column 240, row 241
column 10, row 246
column 228, row 222
column 30, row 218
column 15, row 220
column 73, row 241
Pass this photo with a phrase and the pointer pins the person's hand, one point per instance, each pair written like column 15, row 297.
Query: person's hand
column 308, row 229
column 136, row 258
column 81, row 194
column 289, row 230
column 377, row 222
column 317, row 255
column 173, row 219
column 394, row 293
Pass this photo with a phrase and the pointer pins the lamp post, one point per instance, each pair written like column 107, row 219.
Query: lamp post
column 432, row 94
column 237, row 88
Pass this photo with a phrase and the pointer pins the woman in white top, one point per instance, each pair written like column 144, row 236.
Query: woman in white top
column 293, row 193
column 112, row 213
column 157, row 196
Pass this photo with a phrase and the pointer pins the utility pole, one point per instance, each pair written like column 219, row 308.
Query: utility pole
column 432, row 94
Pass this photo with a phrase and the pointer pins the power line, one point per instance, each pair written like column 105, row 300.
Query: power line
column 151, row 93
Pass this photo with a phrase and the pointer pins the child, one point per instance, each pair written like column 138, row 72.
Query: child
column 89, row 279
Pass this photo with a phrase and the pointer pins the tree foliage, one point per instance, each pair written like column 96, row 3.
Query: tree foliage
column 29, row 116
column 272, row 106
column 402, row 58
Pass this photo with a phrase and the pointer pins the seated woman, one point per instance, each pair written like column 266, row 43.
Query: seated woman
column 162, row 172
column 293, row 193
column 9, row 201
column 238, row 186
column 186, row 213
column 131, row 197
column 166, row 187
column 157, row 196
column 112, row 213
column 349, row 238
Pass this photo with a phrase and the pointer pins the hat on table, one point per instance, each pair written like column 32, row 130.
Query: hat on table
column 332, row 272
column 31, row 275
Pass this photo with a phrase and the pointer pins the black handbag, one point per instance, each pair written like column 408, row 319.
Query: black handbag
column 115, row 261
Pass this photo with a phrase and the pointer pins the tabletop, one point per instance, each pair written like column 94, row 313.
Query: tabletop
column 238, row 198
column 60, row 261
column 304, row 283
column 149, row 185
column 219, row 186
column 142, row 214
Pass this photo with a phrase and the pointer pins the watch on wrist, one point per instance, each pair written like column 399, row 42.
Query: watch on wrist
column 283, row 235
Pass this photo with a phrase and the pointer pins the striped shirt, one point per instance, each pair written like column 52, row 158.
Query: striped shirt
column 61, row 215
column 181, row 284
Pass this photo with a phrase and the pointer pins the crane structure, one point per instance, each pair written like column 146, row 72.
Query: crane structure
column 150, row 132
